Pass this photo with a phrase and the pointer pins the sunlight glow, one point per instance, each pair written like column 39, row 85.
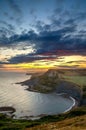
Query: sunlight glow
column 70, row 61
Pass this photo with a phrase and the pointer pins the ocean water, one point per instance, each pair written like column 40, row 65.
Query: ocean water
column 29, row 103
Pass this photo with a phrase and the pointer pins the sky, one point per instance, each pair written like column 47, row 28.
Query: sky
column 42, row 34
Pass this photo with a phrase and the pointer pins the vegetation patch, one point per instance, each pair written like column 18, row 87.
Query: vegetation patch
column 7, row 123
column 80, row 80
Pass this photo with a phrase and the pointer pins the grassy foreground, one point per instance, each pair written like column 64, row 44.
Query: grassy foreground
column 74, row 119
column 77, row 123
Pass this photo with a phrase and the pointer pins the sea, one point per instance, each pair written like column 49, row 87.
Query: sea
column 27, row 103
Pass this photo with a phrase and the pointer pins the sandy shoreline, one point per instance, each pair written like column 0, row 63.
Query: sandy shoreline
column 75, row 102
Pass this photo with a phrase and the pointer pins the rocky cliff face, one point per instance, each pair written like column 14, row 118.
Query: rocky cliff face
column 52, row 73
column 70, row 88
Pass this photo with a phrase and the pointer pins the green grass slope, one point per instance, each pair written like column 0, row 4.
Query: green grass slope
column 75, row 118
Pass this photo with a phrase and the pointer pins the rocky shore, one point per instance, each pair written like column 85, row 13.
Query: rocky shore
column 7, row 110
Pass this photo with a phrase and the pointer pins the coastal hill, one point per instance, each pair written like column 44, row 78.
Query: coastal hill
column 53, row 81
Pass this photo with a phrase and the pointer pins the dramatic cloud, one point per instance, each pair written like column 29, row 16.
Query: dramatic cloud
column 29, row 58
column 59, row 31
column 6, row 30
column 44, row 41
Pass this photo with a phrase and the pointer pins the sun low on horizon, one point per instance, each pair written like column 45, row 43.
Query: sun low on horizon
column 42, row 34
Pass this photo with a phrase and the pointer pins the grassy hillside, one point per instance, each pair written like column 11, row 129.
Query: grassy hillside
column 73, row 119
column 80, row 80
column 56, row 81
column 43, row 83
column 76, row 123
column 49, row 81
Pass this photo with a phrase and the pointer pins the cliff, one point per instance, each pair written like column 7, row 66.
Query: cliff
column 52, row 81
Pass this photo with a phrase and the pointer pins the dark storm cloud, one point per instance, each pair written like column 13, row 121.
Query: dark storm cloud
column 69, row 22
column 28, row 58
column 48, row 40
column 30, row 36
column 1, row 63
column 49, row 56
column 6, row 30
column 4, row 33
column 44, row 40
